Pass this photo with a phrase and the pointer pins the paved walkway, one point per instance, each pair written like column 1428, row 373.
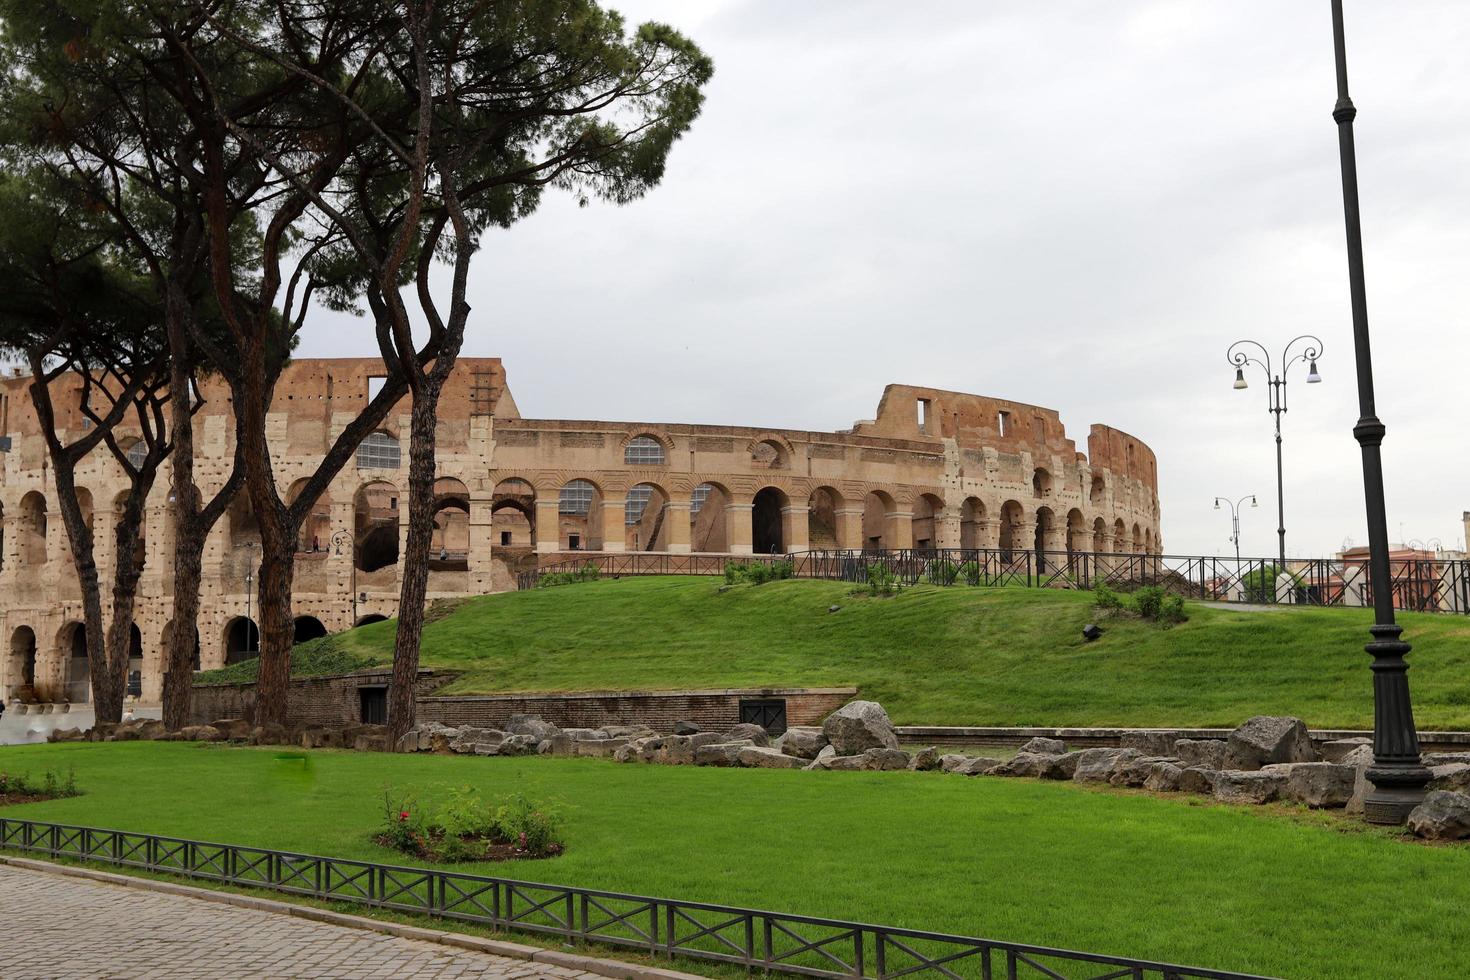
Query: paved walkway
column 57, row 927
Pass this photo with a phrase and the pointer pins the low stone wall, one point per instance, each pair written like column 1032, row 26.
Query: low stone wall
column 333, row 700
column 658, row 710
column 1083, row 738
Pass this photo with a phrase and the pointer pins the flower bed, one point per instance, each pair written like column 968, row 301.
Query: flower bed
column 467, row 827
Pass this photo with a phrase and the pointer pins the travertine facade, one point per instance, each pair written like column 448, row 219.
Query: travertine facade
column 934, row 469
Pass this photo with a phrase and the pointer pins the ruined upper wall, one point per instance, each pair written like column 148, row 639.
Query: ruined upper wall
column 978, row 421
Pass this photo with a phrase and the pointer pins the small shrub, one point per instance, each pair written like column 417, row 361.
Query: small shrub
column 587, row 573
column 1106, row 599
column 1171, row 610
column 50, row 786
column 468, row 827
column 970, row 572
column 882, row 580
column 1148, row 600
column 759, row 572
column 941, row 571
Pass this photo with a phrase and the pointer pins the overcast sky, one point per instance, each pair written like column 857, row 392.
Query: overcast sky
column 1074, row 204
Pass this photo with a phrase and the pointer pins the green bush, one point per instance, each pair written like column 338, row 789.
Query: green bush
column 587, row 573
column 469, row 827
column 970, row 572
column 759, row 572
column 941, row 571
column 1148, row 600
column 882, row 580
column 50, row 786
column 1106, row 599
column 1171, row 610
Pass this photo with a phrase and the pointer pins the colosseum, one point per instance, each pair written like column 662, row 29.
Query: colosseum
column 932, row 469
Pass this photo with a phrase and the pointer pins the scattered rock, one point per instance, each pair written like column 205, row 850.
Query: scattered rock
column 1442, row 816
column 977, row 766
column 1045, row 746
column 1265, row 739
column 1160, row 744
column 530, row 725
column 720, row 753
column 1248, row 786
column 1060, row 766
column 370, row 743
column 1318, row 784
column 1339, row 748
column 764, row 757
column 858, row 726
column 65, row 735
column 686, row 728
column 804, row 743
column 311, row 738
column 597, row 748
column 1360, row 759
column 233, row 728
column 885, row 760
column 1443, row 758
column 925, row 760
column 1023, row 764
column 1454, row 776
column 1198, row 779
column 1200, row 752
column 1097, row 765
column 755, row 734
column 1164, row 777
column 842, row 763
column 1135, row 772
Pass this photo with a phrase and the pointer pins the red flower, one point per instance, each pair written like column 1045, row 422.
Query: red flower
column 403, row 816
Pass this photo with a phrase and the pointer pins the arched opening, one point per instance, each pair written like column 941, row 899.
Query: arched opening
column 307, row 628
column 315, row 533
column 579, row 516
column 242, row 640
column 765, row 522
column 375, row 526
column 1137, row 540
column 135, row 661
column 31, row 530
column 643, row 451
column 1148, row 541
column 371, row 618
column 972, row 523
column 244, row 529
column 78, row 670
column 1095, row 495
column 167, row 641
column 1120, row 536
column 925, row 522
column 644, row 511
column 1076, row 531
column 821, row 520
column 379, row 451
column 876, row 508
column 84, row 502
column 709, row 525
column 449, row 545
column 769, row 455
column 513, row 514
column 1099, row 535
column 1041, row 482
column 21, row 670
column 1012, row 514
column 1046, row 523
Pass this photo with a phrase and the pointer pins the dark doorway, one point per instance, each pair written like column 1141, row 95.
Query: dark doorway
column 769, row 713
column 308, row 628
column 373, row 702
column 765, row 522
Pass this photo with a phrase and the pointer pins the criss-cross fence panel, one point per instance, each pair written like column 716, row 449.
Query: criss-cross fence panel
column 770, row 941
column 1421, row 585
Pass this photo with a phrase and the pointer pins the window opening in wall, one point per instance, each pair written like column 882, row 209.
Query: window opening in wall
column 1003, row 422
column 638, row 498
column 505, row 537
column 644, row 451
column 137, row 453
column 373, row 705
column 698, row 497
column 576, row 498
column 923, row 416
column 769, row 713
column 375, row 384
column 379, row 451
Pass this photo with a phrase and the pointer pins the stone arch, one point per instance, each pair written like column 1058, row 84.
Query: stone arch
column 645, row 448
column 579, row 516
column 450, row 542
column 877, row 505
column 513, row 513
column 371, row 618
column 645, row 509
column 315, row 533
column 20, row 670
column 31, row 530
column 767, row 521
column 1041, row 482
column 1148, row 541
column 1076, row 531
column 71, row 642
column 928, row 512
column 240, row 522
column 822, row 506
column 134, row 682
column 770, row 451
column 1100, row 535
column 1046, row 529
column 972, row 523
column 709, row 518
column 375, row 526
column 1012, row 517
column 1120, row 536
column 1098, row 490
column 242, row 640
column 1137, row 540
column 306, row 629
column 166, row 641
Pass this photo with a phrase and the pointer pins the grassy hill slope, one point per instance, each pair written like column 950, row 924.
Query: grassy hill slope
column 931, row 655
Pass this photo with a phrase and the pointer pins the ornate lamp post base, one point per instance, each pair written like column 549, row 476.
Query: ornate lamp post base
column 1397, row 773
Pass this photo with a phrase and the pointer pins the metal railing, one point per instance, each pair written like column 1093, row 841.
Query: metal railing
column 1419, row 585
column 795, row 944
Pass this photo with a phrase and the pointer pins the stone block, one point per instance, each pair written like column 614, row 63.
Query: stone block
column 1159, row 744
column 804, row 743
column 1163, row 777
column 1045, row 746
column 1339, row 748
column 858, row 726
column 1097, row 765
column 1208, row 752
column 1135, row 772
column 1265, row 739
column 1318, row 784
column 885, row 760
column 1442, row 816
column 723, row 754
column 766, row 757
column 1248, row 786
column 925, row 760
column 1454, row 776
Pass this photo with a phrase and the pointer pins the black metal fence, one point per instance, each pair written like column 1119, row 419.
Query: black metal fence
column 1419, row 585
column 755, row 940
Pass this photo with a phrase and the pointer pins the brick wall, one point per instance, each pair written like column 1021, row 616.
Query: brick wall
column 334, row 700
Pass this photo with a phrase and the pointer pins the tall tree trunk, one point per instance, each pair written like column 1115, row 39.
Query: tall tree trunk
column 128, row 569
column 106, row 697
column 421, row 474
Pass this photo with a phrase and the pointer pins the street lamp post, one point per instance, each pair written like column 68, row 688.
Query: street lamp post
column 1311, row 349
column 337, row 541
column 1235, row 521
column 1398, row 775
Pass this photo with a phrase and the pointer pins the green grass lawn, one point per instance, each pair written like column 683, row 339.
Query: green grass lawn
column 1265, row 890
column 955, row 656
